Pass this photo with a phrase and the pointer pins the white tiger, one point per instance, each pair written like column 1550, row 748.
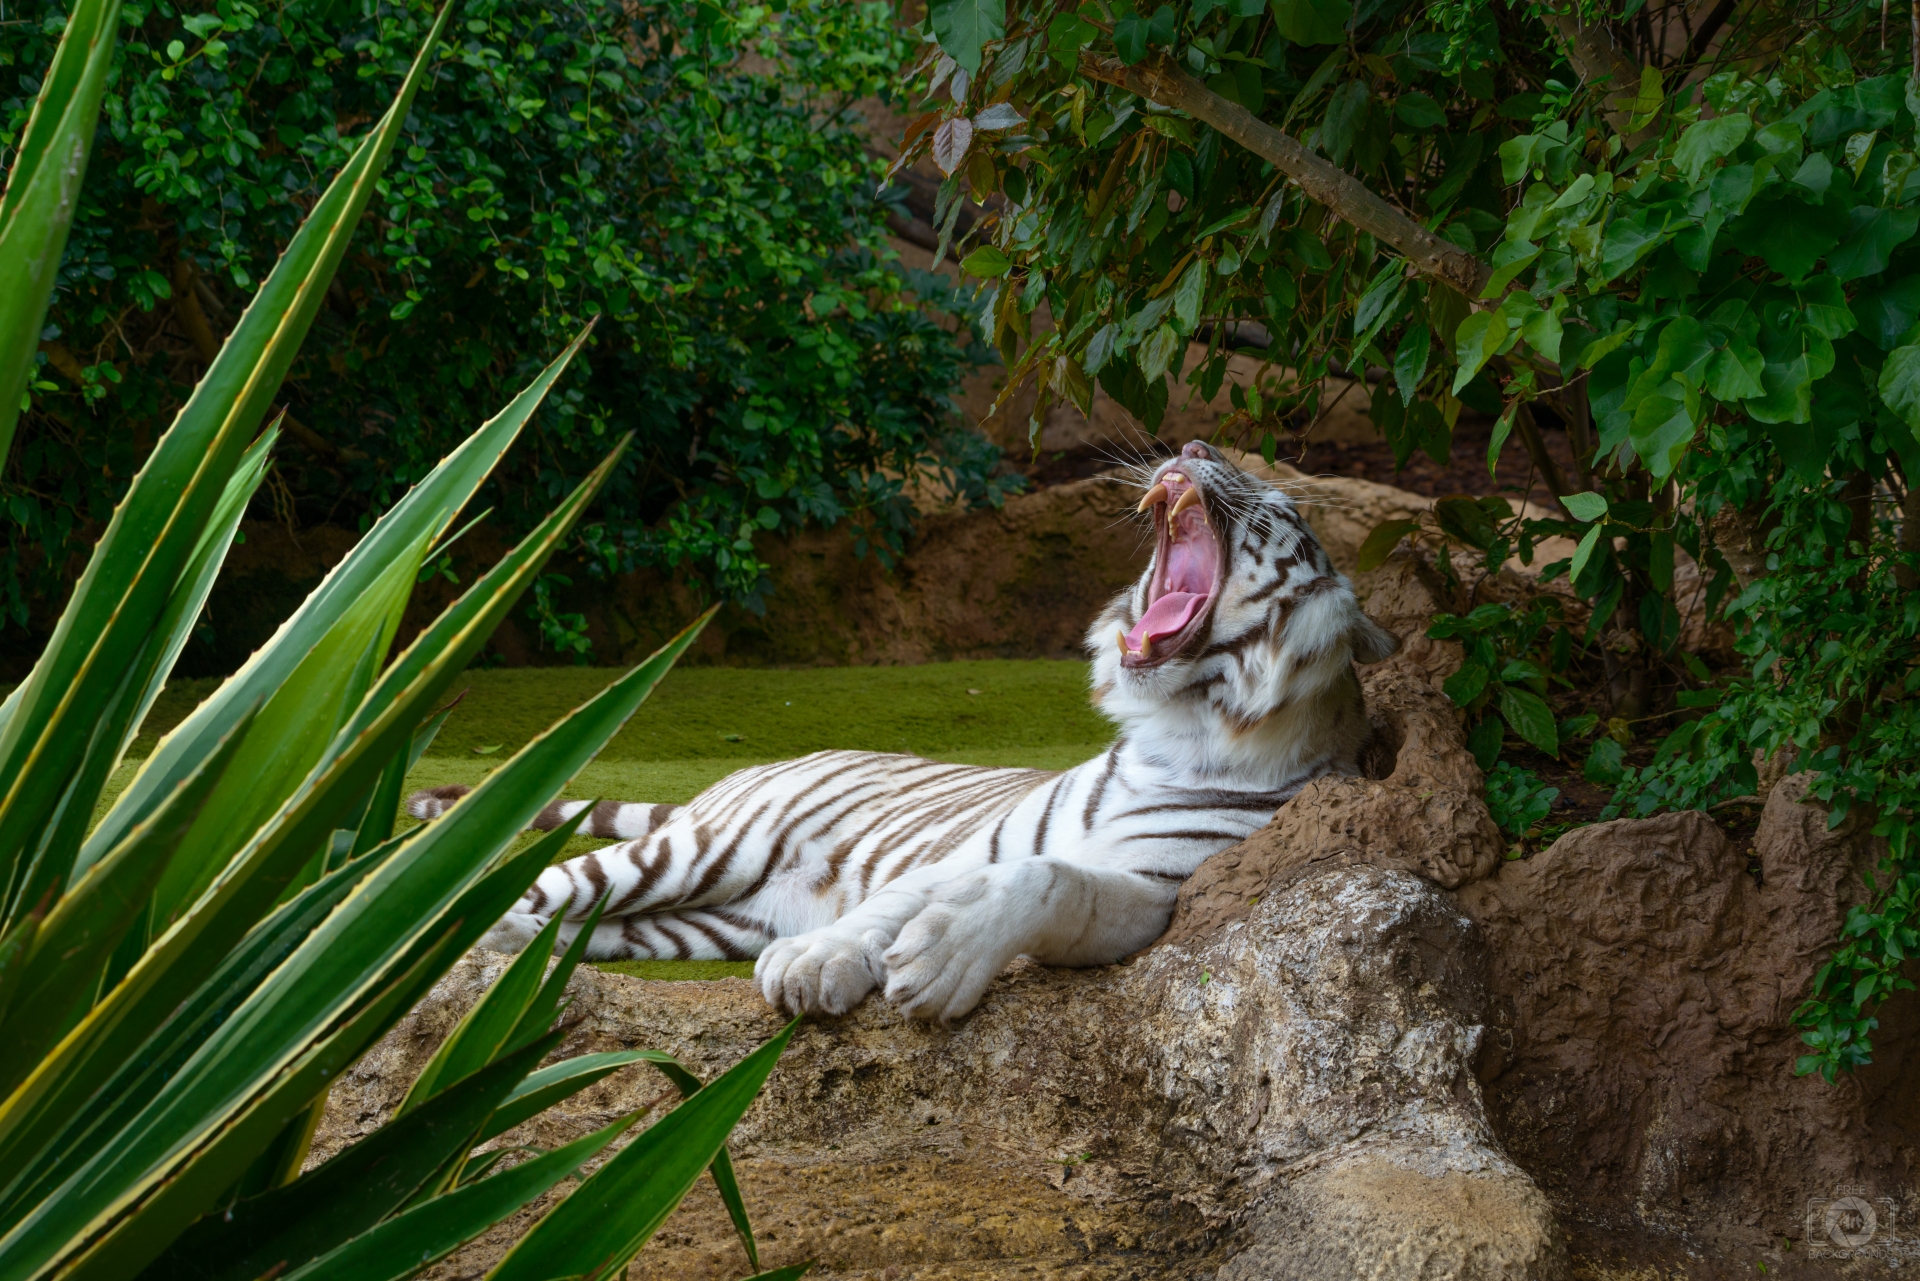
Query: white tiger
column 1229, row 669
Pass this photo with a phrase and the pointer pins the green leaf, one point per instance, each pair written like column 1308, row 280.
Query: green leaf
column 964, row 27
column 1899, row 384
column 1379, row 305
column 1791, row 235
column 1410, row 362
column 1189, row 294
column 1158, row 351
column 299, row 720
column 73, row 942
column 1466, row 684
column 1887, row 313
column 1484, row 741
column 63, row 1133
column 986, row 262
column 545, row 1006
column 1310, row 22
column 608, row 1218
column 1381, row 541
column 1067, row 34
column 1530, row 717
column 1583, row 552
column 1600, row 348
column 157, row 1210
column 542, row 1089
column 406, row 1243
column 1475, row 343
column 1502, row 428
column 348, row 1194
column 1586, row 506
column 1417, row 110
column 1872, row 237
column 1733, row 372
column 1627, row 240
column 1543, row 331
column 1706, row 141
column 1606, row 763
column 1516, row 156
column 1788, row 388
column 1346, row 113
column 1466, row 521
column 43, row 189
column 428, row 507
column 1663, row 427
column 488, row 1028
column 1644, row 104
column 1823, row 306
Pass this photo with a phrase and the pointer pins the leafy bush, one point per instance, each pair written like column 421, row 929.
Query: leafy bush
column 181, row 983
column 1832, row 635
column 1713, row 290
column 1518, row 800
column 711, row 206
column 1509, row 656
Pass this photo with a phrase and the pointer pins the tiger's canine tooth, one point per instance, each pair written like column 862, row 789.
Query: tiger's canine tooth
column 1191, row 498
column 1120, row 634
column 1158, row 494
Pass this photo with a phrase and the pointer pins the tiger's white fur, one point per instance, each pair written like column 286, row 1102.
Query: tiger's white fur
column 1229, row 669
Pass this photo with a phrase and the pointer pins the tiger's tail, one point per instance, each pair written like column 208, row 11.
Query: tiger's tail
column 612, row 820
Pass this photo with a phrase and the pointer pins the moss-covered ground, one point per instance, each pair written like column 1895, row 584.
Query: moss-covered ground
column 703, row 723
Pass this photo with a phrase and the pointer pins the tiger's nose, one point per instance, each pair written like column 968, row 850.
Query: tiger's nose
column 1197, row 449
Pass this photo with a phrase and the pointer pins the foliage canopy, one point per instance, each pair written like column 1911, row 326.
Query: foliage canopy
column 1683, row 236
column 712, row 206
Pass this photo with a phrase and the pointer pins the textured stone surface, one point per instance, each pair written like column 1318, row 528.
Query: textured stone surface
column 1423, row 813
column 1297, row 1087
column 1639, row 1061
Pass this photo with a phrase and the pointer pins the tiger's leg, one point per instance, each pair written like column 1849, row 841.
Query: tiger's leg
column 831, row 969
column 686, row 864
column 695, row 934
column 1057, row 910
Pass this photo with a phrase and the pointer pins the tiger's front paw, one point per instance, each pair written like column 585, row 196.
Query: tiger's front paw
column 940, row 966
column 512, row 932
column 826, row 971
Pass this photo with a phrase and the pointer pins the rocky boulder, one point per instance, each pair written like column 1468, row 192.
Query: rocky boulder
column 1291, row 1097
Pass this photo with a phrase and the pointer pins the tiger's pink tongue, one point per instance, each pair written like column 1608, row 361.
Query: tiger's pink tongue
column 1165, row 616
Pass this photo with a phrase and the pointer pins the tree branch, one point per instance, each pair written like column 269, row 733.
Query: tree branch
column 1326, row 184
column 1710, row 27
column 1536, row 448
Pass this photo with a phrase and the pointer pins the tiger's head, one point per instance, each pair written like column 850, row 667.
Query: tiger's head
column 1235, row 649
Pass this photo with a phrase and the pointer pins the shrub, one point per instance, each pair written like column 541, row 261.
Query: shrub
column 686, row 174
column 1695, row 256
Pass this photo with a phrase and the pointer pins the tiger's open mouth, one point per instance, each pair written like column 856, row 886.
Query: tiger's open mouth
column 1187, row 570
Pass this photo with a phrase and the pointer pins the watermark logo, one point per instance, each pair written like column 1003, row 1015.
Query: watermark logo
column 1851, row 1222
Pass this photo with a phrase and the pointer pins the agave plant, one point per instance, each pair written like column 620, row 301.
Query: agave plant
column 180, row 983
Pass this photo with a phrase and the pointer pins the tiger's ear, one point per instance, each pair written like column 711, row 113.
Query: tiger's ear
column 1371, row 642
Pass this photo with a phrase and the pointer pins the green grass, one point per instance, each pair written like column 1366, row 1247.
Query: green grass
column 679, row 971
column 704, row 723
